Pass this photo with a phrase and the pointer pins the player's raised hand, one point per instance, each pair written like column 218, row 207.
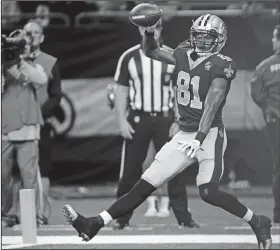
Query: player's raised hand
column 126, row 130
column 145, row 15
column 151, row 29
column 191, row 147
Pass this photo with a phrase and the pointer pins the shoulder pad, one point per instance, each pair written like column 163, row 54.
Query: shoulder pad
column 224, row 67
column 221, row 59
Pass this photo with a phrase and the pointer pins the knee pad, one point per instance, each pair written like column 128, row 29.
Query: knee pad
column 209, row 192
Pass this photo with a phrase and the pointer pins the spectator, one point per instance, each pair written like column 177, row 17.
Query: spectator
column 10, row 13
column 42, row 15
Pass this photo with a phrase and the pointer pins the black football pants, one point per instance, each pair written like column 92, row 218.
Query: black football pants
column 147, row 128
column 273, row 136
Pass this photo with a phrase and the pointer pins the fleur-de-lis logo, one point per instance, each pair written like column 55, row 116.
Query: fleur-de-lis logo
column 229, row 71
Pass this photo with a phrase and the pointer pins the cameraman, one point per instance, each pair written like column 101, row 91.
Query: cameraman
column 21, row 115
column 49, row 97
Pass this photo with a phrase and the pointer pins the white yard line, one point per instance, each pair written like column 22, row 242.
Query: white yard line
column 16, row 241
column 247, row 227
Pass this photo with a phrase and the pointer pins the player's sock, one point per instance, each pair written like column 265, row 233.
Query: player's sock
column 106, row 217
column 251, row 218
column 212, row 195
column 128, row 202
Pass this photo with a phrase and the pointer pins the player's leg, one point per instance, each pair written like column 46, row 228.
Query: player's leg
column 168, row 162
column 211, row 167
column 179, row 201
column 160, row 137
column 153, row 198
column 176, row 187
column 133, row 155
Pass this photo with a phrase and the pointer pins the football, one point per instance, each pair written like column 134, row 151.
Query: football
column 145, row 15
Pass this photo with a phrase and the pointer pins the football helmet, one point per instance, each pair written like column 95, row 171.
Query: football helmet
column 208, row 34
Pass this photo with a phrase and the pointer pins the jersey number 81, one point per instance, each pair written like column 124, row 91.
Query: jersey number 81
column 184, row 93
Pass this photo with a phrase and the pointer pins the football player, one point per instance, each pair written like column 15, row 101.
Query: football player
column 203, row 77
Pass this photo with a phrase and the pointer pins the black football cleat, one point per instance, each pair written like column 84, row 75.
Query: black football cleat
column 263, row 232
column 87, row 228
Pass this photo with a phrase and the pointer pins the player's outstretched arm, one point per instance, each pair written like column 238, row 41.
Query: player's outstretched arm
column 214, row 98
column 152, row 49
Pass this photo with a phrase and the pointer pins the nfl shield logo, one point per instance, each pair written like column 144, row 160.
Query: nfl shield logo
column 208, row 66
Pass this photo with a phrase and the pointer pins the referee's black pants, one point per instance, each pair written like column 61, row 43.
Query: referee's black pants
column 273, row 136
column 150, row 127
column 45, row 149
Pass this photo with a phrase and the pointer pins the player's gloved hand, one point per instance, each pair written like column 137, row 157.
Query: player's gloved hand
column 192, row 147
column 174, row 129
column 151, row 29
column 126, row 129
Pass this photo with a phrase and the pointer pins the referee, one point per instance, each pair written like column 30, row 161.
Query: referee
column 144, row 105
column 265, row 91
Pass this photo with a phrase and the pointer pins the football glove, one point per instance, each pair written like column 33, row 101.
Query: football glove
column 192, row 147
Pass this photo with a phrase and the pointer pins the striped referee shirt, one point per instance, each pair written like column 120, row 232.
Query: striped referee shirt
column 149, row 81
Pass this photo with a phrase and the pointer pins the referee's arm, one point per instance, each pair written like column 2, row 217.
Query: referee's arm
column 121, row 93
column 122, row 78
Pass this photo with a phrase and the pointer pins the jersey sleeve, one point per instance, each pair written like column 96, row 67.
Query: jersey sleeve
column 122, row 73
column 224, row 67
